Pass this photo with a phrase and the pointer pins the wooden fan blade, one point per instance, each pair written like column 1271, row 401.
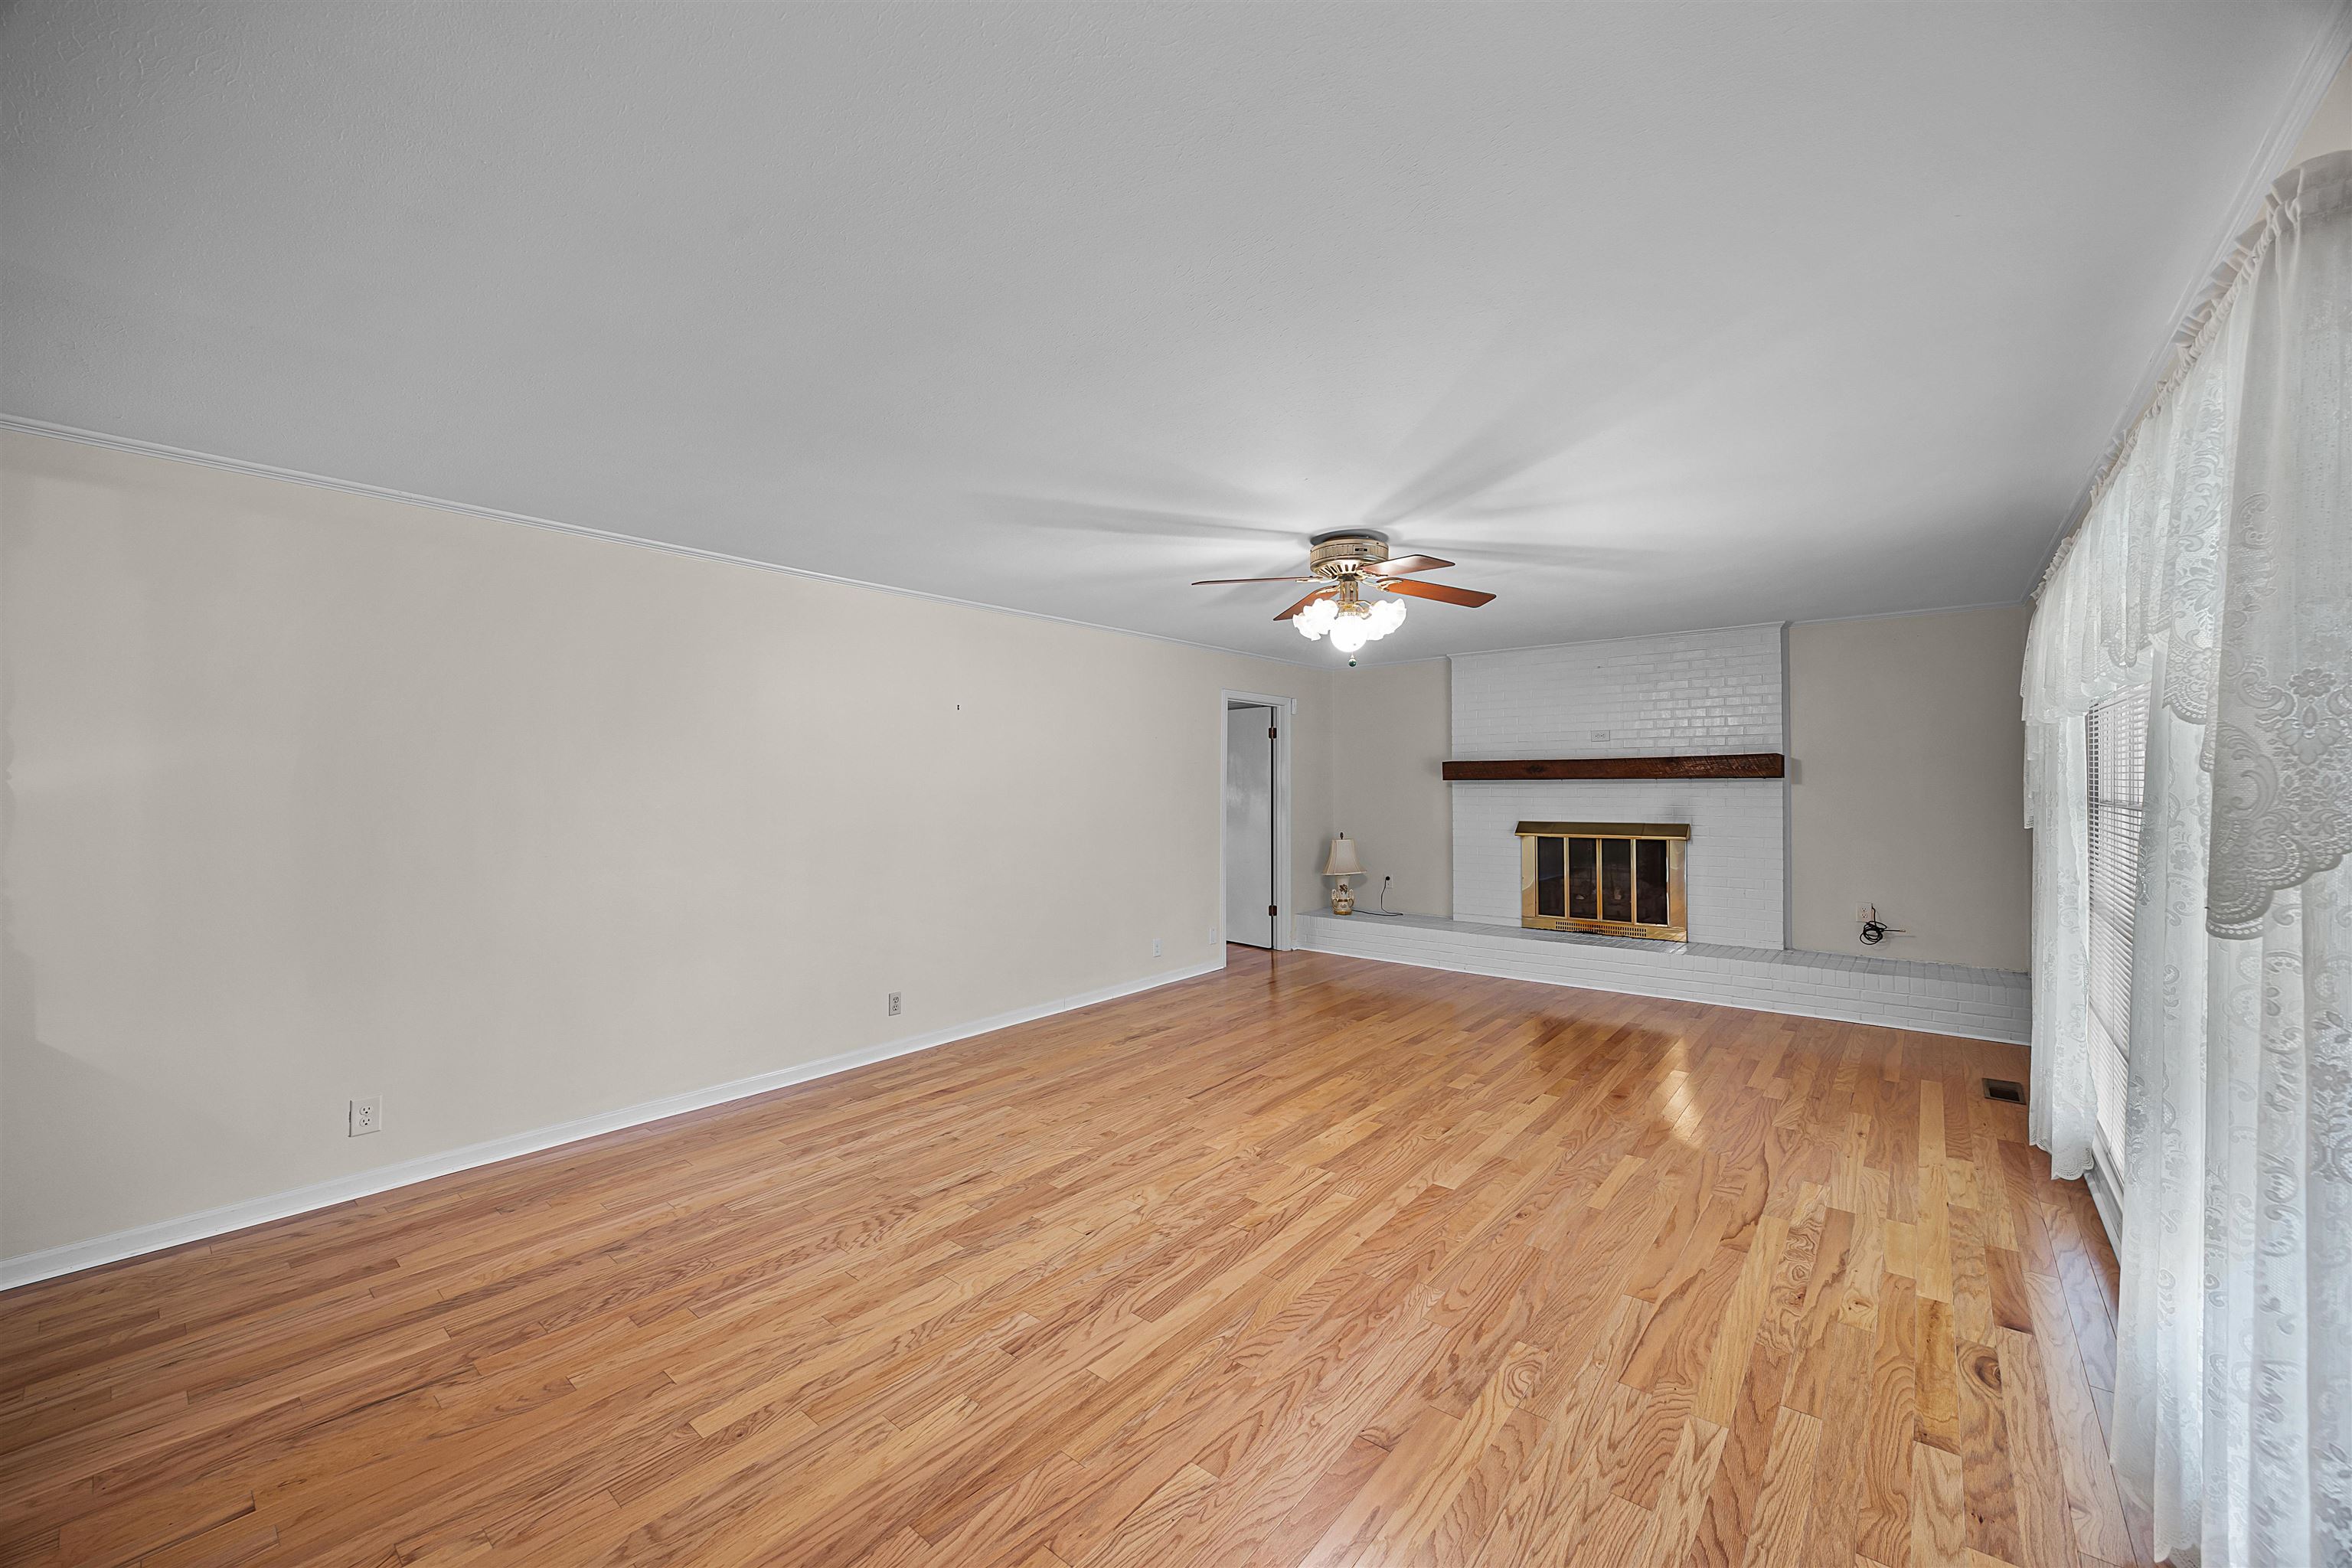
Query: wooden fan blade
column 1215, row 582
column 1469, row 598
column 1404, row 564
column 1318, row 593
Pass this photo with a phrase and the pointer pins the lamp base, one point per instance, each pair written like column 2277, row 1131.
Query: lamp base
column 1343, row 899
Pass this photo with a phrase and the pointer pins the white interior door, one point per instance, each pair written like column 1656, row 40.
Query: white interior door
column 1249, row 826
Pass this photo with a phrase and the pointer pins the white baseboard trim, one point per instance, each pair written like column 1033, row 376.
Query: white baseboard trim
column 76, row 1256
column 2104, row 1199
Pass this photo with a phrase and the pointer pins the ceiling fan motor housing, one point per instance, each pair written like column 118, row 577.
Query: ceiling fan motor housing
column 1343, row 554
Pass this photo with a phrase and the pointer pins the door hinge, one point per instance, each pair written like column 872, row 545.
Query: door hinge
column 1270, row 735
column 1271, row 911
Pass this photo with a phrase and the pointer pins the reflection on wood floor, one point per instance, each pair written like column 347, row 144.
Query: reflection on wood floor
column 1311, row 1261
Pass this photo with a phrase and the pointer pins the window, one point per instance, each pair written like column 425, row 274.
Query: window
column 2117, row 731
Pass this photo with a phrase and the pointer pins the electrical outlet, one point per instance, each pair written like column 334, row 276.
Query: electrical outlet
column 894, row 1003
column 367, row 1116
column 1865, row 911
column 1155, row 947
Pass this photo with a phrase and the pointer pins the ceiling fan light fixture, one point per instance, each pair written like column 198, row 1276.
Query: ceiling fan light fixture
column 1349, row 623
column 1344, row 566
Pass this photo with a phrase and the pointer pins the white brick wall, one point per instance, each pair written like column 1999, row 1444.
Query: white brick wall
column 1689, row 692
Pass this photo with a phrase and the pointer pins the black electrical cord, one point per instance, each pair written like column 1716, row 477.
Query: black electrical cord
column 1384, row 912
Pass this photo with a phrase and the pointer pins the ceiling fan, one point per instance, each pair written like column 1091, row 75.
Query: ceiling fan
column 1342, row 562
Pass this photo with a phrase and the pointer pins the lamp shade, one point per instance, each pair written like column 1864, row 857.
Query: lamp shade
column 1343, row 861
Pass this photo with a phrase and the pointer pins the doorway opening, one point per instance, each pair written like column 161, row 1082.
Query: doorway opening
column 1256, row 819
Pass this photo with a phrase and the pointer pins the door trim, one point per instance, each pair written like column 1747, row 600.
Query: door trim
column 1286, row 710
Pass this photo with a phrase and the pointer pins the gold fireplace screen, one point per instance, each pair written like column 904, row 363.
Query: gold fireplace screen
column 1618, row 879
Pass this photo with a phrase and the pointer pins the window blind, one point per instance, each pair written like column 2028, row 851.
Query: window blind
column 2117, row 738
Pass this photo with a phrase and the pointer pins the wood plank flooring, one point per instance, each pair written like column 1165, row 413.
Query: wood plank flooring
column 1315, row 1262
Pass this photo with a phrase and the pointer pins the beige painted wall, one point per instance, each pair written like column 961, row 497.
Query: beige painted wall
column 314, row 796
column 1908, row 752
column 2330, row 129
column 1909, row 756
column 1390, row 730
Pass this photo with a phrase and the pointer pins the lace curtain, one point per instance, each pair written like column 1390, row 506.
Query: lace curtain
column 2216, row 567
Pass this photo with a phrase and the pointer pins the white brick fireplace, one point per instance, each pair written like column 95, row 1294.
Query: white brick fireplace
column 1692, row 692
column 1684, row 695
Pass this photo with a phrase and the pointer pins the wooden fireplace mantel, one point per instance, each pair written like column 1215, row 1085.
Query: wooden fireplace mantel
column 1723, row 765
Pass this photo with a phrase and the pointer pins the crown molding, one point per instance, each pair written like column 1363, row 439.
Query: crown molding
column 30, row 426
column 2330, row 52
column 1781, row 626
column 1903, row 615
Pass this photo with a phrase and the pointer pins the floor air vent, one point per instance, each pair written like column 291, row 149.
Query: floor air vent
column 2005, row 1089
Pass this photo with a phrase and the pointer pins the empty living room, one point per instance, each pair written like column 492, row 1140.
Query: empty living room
column 1176, row 784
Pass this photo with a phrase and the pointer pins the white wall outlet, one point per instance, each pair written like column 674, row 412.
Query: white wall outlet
column 1865, row 911
column 894, row 1003
column 367, row 1116
column 1213, row 936
column 1155, row 947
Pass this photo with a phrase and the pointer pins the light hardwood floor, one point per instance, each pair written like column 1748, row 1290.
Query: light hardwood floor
column 1313, row 1261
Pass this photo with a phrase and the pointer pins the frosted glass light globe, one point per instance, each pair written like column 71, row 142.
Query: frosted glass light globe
column 1375, row 619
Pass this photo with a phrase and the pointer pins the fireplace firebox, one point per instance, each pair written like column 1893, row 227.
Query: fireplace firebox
column 1617, row 878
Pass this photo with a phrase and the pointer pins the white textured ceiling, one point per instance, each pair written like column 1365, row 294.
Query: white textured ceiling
column 1651, row 316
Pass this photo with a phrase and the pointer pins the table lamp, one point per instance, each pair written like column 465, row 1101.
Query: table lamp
column 1343, row 865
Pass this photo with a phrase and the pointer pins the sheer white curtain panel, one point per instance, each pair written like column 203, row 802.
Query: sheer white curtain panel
column 2216, row 566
